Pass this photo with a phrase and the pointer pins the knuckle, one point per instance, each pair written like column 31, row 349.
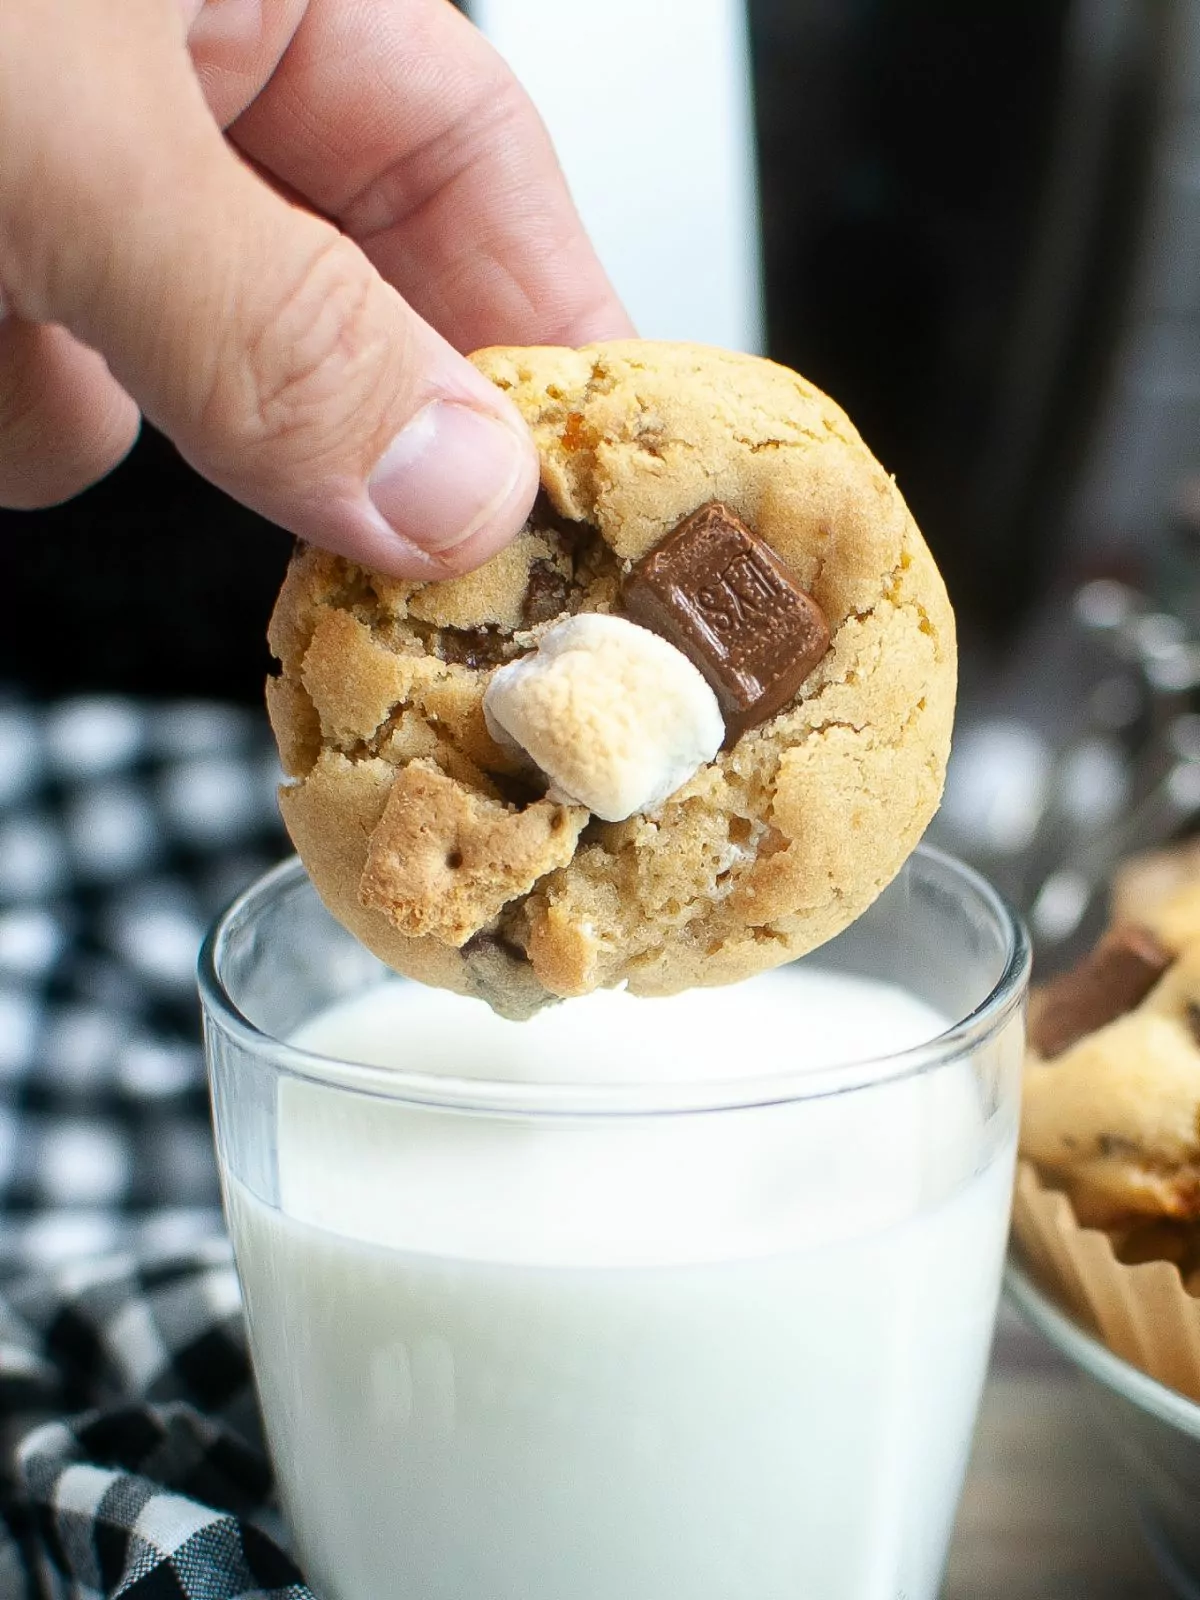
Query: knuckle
column 495, row 114
column 324, row 345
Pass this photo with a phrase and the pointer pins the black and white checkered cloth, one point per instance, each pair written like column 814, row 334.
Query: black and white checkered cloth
column 132, row 1463
column 132, row 1460
column 123, row 830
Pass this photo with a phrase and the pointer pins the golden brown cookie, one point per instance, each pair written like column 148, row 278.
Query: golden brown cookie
column 1145, row 881
column 1111, row 1108
column 429, row 840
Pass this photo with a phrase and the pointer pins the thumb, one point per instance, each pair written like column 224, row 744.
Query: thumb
column 267, row 347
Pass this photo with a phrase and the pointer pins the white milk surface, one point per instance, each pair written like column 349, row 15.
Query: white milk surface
column 730, row 1356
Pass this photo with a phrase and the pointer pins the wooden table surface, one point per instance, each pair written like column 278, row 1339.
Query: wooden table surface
column 1044, row 1514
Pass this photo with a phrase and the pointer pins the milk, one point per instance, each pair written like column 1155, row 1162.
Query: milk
column 724, row 1356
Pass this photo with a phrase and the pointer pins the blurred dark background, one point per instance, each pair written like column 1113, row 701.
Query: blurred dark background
column 981, row 230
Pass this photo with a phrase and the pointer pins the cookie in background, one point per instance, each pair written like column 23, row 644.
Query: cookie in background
column 1107, row 1207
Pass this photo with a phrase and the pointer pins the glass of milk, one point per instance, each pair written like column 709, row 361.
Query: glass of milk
column 682, row 1299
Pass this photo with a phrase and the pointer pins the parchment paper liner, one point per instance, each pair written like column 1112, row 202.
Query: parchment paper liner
column 1142, row 1313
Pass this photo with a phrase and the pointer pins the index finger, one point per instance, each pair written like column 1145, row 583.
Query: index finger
column 401, row 123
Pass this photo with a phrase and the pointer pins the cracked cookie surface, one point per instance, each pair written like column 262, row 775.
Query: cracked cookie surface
column 400, row 797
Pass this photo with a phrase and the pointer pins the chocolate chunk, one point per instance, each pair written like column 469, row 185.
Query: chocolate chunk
column 500, row 974
column 720, row 595
column 545, row 595
column 544, row 519
column 474, row 647
column 1117, row 1144
column 489, row 943
column 1113, row 978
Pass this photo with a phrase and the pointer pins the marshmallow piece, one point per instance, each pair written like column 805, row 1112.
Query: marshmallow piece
column 615, row 717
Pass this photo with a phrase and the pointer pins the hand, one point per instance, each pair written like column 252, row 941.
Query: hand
column 151, row 263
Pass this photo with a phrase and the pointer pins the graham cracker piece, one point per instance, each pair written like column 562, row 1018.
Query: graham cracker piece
column 443, row 861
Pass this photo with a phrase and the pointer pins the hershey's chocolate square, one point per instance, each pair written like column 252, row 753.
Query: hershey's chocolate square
column 1110, row 980
column 721, row 595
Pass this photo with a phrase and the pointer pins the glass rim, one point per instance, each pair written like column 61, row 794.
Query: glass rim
column 778, row 1087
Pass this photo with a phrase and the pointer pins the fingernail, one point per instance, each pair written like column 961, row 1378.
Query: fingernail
column 445, row 474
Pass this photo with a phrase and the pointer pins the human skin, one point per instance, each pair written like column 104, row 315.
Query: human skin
column 271, row 227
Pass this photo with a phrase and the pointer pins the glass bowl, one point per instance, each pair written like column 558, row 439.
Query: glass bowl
column 1153, row 1431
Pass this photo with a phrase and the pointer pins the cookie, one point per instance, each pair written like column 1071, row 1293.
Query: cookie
column 1111, row 1110
column 728, row 507
column 1144, row 881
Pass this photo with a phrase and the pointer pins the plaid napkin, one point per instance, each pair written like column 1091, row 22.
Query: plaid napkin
column 131, row 1459
column 124, row 827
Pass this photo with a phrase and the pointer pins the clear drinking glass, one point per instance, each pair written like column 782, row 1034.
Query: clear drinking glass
column 702, row 1337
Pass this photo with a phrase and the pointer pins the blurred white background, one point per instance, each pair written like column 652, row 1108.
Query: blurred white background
column 649, row 103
